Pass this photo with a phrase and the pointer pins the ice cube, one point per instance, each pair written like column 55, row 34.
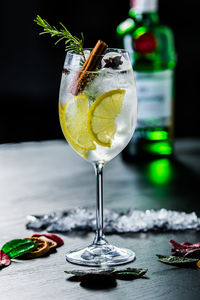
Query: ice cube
column 75, row 61
column 86, row 53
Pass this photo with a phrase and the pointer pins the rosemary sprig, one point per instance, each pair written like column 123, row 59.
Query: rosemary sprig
column 72, row 43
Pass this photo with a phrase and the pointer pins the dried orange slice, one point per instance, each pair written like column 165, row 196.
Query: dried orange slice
column 52, row 244
column 198, row 264
column 42, row 248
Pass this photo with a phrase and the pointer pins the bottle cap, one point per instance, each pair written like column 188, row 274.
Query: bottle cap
column 142, row 6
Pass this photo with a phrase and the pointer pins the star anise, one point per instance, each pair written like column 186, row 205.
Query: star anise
column 113, row 62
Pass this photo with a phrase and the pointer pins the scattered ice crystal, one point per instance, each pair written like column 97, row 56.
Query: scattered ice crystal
column 115, row 222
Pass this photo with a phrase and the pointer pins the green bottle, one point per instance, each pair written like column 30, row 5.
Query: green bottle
column 153, row 56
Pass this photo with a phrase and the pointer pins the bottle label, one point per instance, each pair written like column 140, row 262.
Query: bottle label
column 154, row 92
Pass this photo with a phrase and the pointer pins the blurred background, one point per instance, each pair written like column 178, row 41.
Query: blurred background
column 31, row 65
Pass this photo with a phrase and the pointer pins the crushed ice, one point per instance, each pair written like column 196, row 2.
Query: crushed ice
column 115, row 222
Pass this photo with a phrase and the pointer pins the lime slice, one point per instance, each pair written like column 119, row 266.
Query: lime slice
column 102, row 114
column 73, row 120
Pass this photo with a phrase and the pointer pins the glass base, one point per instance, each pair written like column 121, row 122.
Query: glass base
column 100, row 256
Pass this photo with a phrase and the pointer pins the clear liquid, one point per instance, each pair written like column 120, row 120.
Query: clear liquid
column 104, row 81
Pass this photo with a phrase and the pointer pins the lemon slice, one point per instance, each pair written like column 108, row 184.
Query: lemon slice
column 75, row 147
column 73, row 119
column 102, row 114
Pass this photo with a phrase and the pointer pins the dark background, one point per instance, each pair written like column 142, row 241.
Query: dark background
column 31, row 65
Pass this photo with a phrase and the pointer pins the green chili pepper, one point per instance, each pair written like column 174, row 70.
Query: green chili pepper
column 18, row 247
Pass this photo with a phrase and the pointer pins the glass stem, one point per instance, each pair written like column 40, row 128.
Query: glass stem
column 99, row 237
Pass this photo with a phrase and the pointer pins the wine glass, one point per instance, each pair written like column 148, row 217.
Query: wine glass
column 98, row 113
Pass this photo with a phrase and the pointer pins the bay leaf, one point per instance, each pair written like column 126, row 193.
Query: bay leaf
column 83, row 272
column 178, row 261
column 129, row 273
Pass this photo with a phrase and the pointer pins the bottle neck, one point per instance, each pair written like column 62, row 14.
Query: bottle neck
column 144, row 11
column 144, row 6
column 146, row 19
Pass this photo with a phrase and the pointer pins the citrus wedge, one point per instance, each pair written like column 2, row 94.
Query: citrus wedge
column 73, row 119
column 42, row 248
column 52, row 244
column 102, row 114
column 75, row 147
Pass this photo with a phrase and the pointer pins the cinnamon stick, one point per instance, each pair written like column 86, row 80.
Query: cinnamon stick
column 92, row 62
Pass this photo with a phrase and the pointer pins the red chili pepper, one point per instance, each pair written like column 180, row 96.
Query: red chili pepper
column 184, row 245
column 52, row 237
column 5, row 260
column 185, row 249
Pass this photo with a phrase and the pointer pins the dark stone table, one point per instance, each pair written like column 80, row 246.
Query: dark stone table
column 38, row 178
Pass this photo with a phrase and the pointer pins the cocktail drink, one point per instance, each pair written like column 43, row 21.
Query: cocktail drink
column 98, row 113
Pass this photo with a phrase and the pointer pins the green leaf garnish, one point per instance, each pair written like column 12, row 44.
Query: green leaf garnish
column 18, row 247
column 90, row 271
column 71, row 42
column 177, row 261
column 129, row 273
column 123, row 274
